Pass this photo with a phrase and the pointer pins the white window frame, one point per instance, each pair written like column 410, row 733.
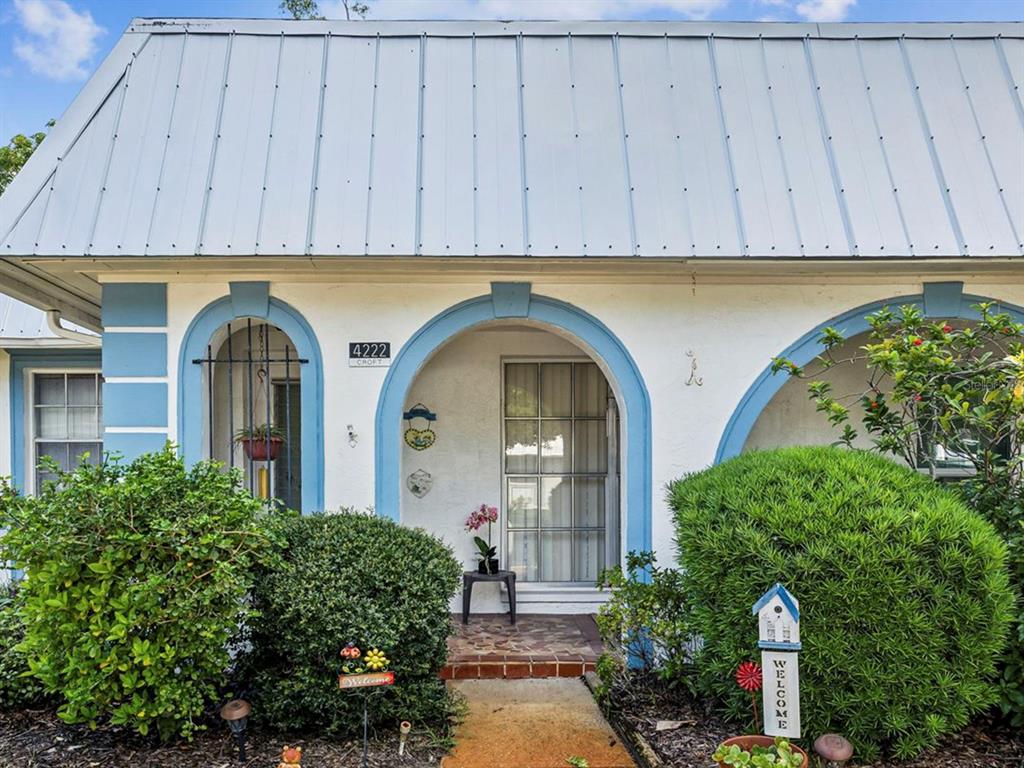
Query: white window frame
column 29, row 420
column 570, row 589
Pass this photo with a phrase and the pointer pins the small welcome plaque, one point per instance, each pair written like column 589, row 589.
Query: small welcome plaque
column 368, row 680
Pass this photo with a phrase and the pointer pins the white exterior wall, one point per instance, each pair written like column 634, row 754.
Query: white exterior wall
column 733, row 330
column 5, row 414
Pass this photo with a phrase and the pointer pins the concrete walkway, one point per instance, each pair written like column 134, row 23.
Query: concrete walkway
column 532, row 724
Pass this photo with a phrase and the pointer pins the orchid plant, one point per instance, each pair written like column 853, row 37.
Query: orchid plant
column 483, row 515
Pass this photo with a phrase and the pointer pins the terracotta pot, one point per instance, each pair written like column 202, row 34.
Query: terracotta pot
column 747, row 743
column 256, row 448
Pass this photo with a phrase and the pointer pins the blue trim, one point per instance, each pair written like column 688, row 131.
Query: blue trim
column 134, row 354
column 591, row 333
column 135, row 405
column 190, row 388
column 805, row 349
column 942, row 299
column 784, row 595
column 511, row 299
column 765, row 645
column 130, row 445
column 134, row 304
column 21, row 359
column 250, row 299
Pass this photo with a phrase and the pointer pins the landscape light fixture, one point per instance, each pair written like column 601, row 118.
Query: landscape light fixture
column 236, row 714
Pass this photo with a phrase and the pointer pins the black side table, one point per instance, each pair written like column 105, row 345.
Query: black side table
column 469, row 578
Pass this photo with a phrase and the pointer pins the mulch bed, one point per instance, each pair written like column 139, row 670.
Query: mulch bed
column 37, row 739
column 982, row 745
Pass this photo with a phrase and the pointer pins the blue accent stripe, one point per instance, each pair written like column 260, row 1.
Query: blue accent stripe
column 590, row 334
column 20, row 360
column 765, row 645
column 191, row 396
column 133, row 444
column 134, row 354
column 134, row 405
column 134, row 304
column 805, row 349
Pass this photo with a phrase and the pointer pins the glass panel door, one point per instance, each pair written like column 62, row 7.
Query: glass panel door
column 556, row 463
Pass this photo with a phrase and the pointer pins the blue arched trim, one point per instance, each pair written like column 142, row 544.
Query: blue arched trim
column 939, row 300
column 595, row 336
column 190, row 388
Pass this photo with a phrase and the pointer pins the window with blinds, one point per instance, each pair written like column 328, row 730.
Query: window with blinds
column 67, row 420
column 557, row 470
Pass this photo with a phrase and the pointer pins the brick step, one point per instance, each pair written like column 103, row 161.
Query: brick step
column 510, row 667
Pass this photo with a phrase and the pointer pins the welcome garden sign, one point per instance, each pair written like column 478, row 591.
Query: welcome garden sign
column 366, row 673
column 778, row 617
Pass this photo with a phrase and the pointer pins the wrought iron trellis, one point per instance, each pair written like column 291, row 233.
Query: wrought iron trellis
column 254, row 376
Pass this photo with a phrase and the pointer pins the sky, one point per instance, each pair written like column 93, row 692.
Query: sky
column 48, row 48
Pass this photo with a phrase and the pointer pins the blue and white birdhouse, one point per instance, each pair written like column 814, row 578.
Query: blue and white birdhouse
column 778, row 617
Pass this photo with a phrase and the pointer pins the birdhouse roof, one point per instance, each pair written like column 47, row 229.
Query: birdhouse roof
column 783, row 594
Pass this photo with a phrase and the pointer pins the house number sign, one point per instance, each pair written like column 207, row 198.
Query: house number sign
column 369, row 354
column 778, row 618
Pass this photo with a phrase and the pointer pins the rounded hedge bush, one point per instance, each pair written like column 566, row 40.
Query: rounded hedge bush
column 351, row 577
column 904, row 596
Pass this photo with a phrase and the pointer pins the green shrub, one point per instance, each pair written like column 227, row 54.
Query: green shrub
column 640, row 625
column 17, row 688
column 904, row 594
column 135, row 582
column 351, row 577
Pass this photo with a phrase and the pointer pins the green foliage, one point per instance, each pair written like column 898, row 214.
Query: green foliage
column 17, row 152
column 904, row 592
column 18, row 689
column 350, row 577
column 779, row 755
column 135, row 579
column 932, row 384
column 640, row 621
column 310, row 9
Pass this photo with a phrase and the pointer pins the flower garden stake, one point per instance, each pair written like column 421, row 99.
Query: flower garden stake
column 750, row 678
column 364, row 673
column 778, row 615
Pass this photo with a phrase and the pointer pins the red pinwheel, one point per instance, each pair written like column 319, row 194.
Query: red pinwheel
column 749, row 677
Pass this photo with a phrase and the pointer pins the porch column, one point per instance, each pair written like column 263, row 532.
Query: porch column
column 134, row 317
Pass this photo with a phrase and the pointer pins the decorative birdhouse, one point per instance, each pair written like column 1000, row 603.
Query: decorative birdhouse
column 778, row 617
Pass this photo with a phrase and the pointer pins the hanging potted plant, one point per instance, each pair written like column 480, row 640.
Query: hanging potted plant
column 487, row 553
column 261, row 443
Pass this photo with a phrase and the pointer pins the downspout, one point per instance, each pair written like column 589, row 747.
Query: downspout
column 53, row 323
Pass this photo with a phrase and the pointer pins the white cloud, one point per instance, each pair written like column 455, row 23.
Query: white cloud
column 58, row 41
column 824, row 10
column 531, row 9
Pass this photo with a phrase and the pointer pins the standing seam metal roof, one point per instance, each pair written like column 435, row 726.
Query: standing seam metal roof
column 250, row 137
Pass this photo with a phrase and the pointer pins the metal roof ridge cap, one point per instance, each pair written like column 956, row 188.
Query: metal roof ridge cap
column 638, row 28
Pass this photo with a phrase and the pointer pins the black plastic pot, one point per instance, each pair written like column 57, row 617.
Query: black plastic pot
column 488, row 566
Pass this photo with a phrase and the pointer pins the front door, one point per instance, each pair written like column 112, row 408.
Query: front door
column 560, row 471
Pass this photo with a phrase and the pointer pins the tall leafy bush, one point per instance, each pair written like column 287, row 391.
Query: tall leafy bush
column 905, row 602
column 351, row 577
column 959, row 386
column 135, row 582
column 18, row 689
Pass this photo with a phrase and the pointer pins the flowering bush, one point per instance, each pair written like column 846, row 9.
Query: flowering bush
column 937, row 390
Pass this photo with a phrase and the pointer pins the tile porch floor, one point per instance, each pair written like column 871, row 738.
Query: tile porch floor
column 539, row 645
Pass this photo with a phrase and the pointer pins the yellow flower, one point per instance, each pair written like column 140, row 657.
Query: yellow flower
column 375, row 659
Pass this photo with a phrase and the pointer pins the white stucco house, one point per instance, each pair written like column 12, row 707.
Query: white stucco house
column 543, row 266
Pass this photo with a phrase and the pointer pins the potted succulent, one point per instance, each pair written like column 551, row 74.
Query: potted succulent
column 261, row 443
column 487, row 553
column 759, row 752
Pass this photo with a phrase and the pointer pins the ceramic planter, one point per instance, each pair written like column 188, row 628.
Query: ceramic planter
column 747, row 743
